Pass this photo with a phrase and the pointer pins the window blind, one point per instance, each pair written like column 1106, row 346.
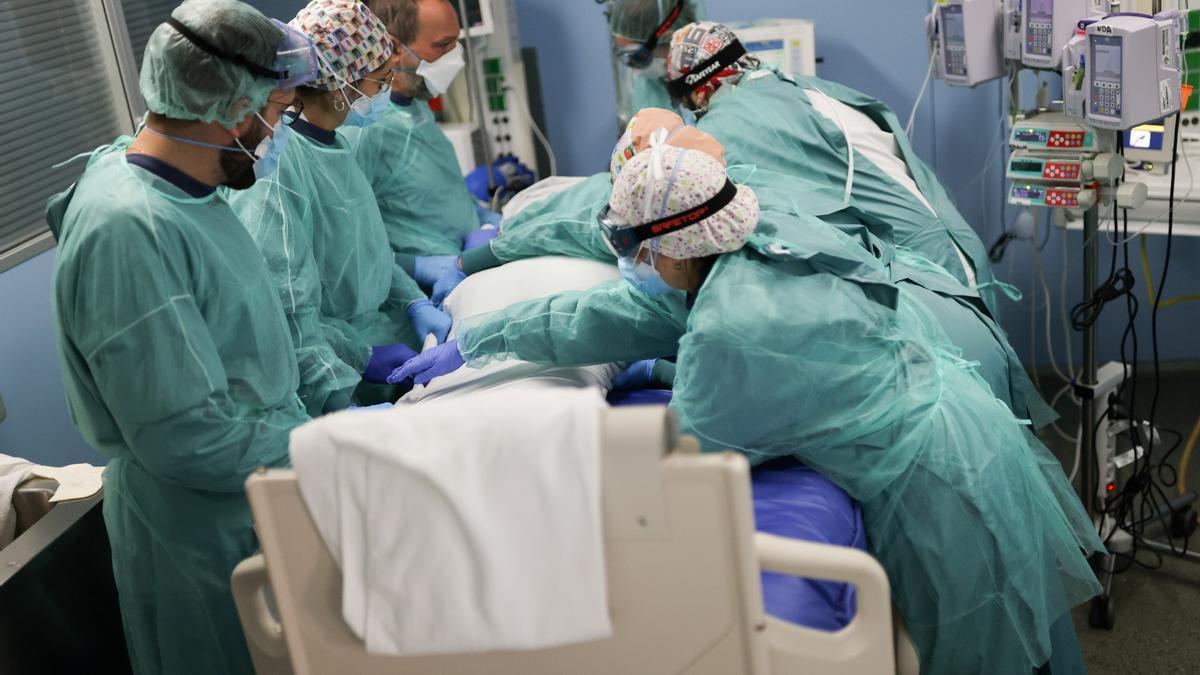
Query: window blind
column 62, row 97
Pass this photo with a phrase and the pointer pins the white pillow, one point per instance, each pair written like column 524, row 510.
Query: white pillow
column 508, row 284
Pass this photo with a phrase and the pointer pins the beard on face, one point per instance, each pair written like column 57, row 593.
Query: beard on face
column 238, row 167
column 417, row 89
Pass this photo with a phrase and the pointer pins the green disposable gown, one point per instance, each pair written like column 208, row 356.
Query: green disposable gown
column 562, row 224
column 178, row 367
column 798, row 350
column 418, row 184
column 316, row 222
column 768, row 121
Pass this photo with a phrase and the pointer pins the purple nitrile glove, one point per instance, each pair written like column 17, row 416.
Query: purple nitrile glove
column 480, row 237
column 385, row 359
column 446, row 283
column 428, row 319
column 427, row 269
column 435, row 362
column 638, row 375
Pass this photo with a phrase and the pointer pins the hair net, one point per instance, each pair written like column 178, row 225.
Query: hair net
column 702, row 40
column 637, row 19
column 670, row 180
column 351, row 41
column 641, row 128
column 182, row 81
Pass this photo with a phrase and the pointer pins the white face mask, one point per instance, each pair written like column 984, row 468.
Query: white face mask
column 440, row 74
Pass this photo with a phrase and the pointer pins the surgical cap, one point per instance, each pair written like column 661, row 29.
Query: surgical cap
column 672, row 180
column 700, row 41
column 641, row 128
column 351, row 41
column 182, row 81
column 638, row 19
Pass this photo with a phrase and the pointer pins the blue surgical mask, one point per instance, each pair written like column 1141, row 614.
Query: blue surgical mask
column 266, row 155
column 366, row 110
column 643, row 277
column 269, row 151
column 689, row 116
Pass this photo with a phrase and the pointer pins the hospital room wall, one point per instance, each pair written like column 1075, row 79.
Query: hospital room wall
column 38, row 426
column 878, row 48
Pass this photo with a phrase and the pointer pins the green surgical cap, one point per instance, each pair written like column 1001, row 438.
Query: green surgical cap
column 636, row 19
column 182, row 81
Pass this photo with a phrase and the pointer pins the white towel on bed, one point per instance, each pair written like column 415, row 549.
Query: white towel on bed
column 463, row 525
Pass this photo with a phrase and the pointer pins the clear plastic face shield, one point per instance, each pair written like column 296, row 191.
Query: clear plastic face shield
column 640, row 56
column 295, row 57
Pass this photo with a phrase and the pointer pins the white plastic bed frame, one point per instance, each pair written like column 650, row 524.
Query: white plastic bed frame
column 683, row 562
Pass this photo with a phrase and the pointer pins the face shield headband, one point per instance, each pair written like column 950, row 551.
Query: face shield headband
column 626, row 240
column 706, row 70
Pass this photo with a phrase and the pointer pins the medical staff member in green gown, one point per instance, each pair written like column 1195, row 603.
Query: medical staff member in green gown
column 641, row 30
column 176, row 356
column 411, row 165
column 793, row 341
column 351, row 309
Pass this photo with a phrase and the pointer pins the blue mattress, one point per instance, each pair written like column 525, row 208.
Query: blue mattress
column 792, row 500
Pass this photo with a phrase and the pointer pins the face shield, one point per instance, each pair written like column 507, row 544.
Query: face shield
column 295, row 58
column 640, row 56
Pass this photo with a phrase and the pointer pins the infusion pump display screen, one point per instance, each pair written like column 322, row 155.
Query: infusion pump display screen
column 1106, row 76
column 952, row 24
column 1041, row 10
column 1106, row 58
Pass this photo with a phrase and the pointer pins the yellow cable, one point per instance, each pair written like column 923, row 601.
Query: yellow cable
column 1187, row 455
column 1150, row 283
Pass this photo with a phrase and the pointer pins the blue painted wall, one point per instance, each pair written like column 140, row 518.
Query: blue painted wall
column 38, row 425
column 876, row 46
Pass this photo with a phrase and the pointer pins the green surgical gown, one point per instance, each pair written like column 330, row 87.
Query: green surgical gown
column 178, row 366
column 808, row 351
column 417, row 182
column 768, row 123
column 317, row 224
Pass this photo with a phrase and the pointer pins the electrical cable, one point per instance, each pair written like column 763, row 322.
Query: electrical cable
column 912, row 116
column 1194, row 297
column 537, row 131
column 1181, row 486
column 1158, row 297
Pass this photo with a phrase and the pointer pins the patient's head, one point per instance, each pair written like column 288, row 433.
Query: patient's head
column 656, row 125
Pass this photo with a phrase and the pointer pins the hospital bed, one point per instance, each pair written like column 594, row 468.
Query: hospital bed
column 683, row 564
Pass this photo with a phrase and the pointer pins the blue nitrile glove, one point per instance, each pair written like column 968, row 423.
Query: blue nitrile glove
column 507, row 172
column 377, row 406
column 427, row 269
column 638, row 375
column 488, row 216
column 385, row 359
column 479, row 237
column 428, row 319
column 446, row 283
column 440, row 360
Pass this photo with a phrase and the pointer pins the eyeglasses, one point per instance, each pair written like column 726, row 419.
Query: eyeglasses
column 384, row 85
column 640, row 57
